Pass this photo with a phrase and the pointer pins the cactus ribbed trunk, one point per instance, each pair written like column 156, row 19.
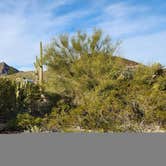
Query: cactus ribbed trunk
column 39, row 73
column 41, row 65
column 36, row 70
column 41, row 76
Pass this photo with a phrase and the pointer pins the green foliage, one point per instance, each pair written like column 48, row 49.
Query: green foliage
column 27, row 96
column 19, row 97
column 89, row 87
column 27, row 121
column 7, row 98
column 103, row 91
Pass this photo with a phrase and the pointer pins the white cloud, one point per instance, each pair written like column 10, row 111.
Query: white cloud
column 122, row 19
column 122, row 9
column 139, row 29
column 24, row 24
column 147, row 49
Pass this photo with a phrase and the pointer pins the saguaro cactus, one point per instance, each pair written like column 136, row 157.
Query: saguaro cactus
column 39, row 66
column 36, row 65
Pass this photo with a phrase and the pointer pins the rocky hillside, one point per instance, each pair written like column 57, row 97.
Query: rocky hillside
column 6, row 69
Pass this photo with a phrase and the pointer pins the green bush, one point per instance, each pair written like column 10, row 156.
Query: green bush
column 8, row 107
column 88, row 87
column 26, row 121
column 104, row 92
column 18, row 97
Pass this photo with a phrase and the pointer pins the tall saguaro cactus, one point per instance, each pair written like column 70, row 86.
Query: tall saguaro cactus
column 39, row 66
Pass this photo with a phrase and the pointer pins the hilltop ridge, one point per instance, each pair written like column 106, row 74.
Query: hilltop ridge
column 12, row 73
column 6, row 69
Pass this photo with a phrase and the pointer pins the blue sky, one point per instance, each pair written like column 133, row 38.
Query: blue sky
column 140, row 25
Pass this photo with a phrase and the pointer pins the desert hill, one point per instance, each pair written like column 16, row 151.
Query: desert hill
column 6, row 69
column 12, row 73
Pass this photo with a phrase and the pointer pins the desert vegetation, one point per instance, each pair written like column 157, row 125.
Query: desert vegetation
column 87, row 87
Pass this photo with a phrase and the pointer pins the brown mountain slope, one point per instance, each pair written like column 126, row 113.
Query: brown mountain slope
column 23, row 74
column 6, row 69
column 30, row 74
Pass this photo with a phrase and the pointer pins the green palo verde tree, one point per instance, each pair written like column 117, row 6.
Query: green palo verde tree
column 79, row 69
column 98, row 89
column 73, row 60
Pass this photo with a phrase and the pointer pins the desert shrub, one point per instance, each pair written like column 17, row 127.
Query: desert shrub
column 19, row 97
column 103, row 92
column 89, row 87
column 162, row 83
column 7, row 98
column 27, row 121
